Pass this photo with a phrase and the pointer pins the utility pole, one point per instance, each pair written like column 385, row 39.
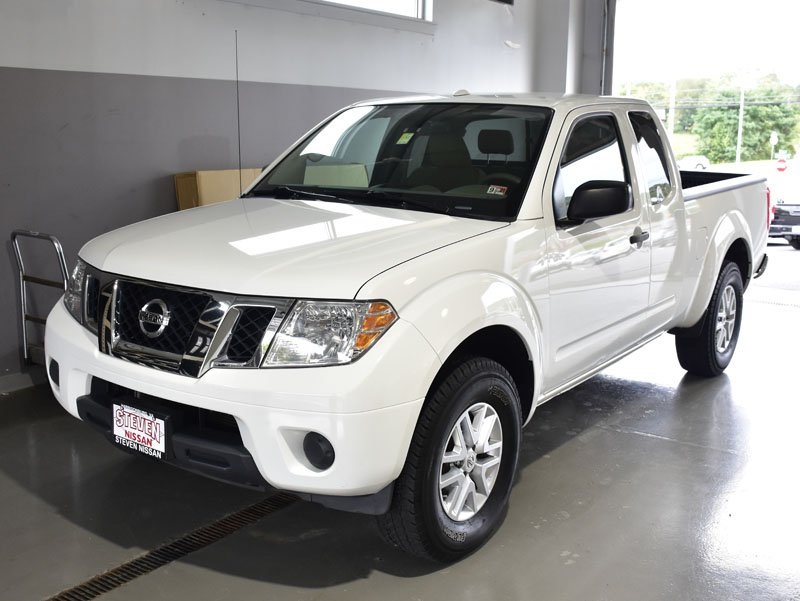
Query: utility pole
column 671, row 114
column 741, row 125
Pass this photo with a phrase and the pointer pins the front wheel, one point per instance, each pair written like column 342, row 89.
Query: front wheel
column 453, row 492
column 710, row 353
column 795, row 242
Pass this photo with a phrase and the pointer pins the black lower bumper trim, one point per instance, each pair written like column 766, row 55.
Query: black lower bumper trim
column 217, row 458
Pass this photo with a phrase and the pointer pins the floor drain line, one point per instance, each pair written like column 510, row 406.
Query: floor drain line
column 794, row 305
column 194, row 541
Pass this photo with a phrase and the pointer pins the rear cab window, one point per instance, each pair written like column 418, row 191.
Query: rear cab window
column 652, row 156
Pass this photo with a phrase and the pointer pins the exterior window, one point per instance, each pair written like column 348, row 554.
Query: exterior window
column 652, row 155
column 593, row 152
column 416, row 9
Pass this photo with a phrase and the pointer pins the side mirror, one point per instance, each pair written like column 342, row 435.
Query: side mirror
column 599, row 198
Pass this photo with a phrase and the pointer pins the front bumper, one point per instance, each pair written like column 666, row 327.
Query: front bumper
column 367, row 409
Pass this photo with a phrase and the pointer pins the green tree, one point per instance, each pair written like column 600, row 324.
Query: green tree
column 689, row 94
column 769, row 106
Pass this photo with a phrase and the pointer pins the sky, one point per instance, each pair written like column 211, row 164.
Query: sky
column 658, row 40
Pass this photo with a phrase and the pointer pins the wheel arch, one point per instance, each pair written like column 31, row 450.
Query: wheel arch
column 738, row 251
column 504, row 345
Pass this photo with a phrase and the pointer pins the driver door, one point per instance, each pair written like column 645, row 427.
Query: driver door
column 598, row 270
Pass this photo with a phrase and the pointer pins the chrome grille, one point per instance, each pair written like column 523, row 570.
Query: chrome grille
column 205, row 329
column 92, row 304
column 248, row 333
column 184, row 311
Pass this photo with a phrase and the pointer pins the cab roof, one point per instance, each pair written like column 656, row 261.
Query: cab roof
column 562, row 101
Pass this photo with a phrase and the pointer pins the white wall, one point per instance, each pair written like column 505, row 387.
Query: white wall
column 282, row 41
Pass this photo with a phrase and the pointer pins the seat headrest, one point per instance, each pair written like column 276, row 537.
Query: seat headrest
column 447, row 150
column 495, row 141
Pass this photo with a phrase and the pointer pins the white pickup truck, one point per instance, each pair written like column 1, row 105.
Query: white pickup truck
column 372, row 323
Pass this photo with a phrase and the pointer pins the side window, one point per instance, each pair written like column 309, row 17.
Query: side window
column 652, row 154
column 593, row 152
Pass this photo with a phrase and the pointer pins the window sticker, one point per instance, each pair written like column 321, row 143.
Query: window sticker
column 405, row 138
column 497, row 190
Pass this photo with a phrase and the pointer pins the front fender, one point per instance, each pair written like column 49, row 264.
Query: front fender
column 449, row 312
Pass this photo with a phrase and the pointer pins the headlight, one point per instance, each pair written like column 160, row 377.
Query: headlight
column 328, row 333
column 73, row 297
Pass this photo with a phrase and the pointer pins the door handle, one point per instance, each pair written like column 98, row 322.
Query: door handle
column 639, row 237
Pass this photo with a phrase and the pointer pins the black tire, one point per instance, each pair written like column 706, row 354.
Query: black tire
column 700, row 355
column 795, row 242
column 417, row 521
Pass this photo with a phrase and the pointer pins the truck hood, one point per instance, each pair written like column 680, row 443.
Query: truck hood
column 269, row 247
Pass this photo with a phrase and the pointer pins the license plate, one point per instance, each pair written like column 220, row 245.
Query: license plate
column 139, row 430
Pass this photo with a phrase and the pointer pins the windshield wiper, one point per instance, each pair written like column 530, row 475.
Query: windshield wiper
column 382, row 198
column 351, row 196
column 397, row 200
column 282, row 192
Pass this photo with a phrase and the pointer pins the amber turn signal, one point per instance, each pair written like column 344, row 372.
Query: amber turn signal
column 377, row 320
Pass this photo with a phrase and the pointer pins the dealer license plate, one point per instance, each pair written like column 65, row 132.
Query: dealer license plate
column 139, row 430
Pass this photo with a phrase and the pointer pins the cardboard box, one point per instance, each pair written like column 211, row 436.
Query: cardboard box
column 198, row 188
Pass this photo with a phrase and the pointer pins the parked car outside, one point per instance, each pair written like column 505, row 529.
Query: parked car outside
column 694, row 162
column 785, row 188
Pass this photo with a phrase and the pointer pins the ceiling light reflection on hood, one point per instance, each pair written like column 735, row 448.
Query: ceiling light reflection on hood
column 314, row 233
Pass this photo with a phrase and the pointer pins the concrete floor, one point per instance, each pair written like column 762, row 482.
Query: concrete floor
column 642, row 483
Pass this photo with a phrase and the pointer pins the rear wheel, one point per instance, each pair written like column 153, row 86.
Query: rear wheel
column 453, row 492
column 710, row 353
column 795, row 242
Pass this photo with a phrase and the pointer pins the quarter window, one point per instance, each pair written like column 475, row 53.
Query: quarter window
column 593, row 152
column 652, row 155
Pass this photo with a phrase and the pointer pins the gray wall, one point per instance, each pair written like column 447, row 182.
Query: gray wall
column 573, row 43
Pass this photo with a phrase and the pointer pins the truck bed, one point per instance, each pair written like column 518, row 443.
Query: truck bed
column 697, row 184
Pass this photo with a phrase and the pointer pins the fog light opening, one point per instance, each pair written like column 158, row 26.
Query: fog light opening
column 53, row 371
column 318, row 450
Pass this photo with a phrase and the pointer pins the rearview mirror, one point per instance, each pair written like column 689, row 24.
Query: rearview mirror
column 599, row 198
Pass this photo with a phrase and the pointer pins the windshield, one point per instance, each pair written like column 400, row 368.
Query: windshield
column 470, row 160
